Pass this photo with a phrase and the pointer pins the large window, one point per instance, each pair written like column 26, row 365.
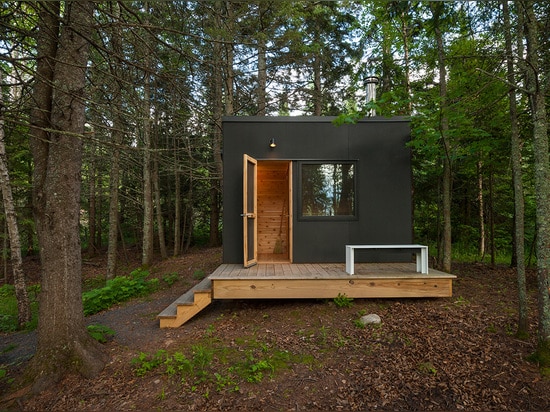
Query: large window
column 328, row 189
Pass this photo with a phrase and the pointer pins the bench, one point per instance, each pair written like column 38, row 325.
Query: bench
column 420, row 251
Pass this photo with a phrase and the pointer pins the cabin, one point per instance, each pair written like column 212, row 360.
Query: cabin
column 312, row 209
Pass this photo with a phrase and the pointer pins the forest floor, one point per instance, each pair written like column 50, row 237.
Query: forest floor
column 456, row 353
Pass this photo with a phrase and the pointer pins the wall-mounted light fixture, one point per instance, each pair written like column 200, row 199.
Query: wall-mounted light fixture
column 272, row 143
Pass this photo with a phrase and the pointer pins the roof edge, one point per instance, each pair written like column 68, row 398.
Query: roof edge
column 309, row 119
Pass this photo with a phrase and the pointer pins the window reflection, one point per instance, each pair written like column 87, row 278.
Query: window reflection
column 328, row 189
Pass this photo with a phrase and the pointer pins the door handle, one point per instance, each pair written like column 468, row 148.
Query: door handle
column 248, row 215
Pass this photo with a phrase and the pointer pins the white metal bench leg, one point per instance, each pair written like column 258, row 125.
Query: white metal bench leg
column 423, row 261
column 350, row 262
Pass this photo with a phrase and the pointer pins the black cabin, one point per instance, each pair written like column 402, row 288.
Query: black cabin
column 298, row 189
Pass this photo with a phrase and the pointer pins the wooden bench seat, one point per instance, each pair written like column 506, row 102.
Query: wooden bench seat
column 420, row 251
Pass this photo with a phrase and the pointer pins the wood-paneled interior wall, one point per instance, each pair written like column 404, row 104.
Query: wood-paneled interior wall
column 273, row 213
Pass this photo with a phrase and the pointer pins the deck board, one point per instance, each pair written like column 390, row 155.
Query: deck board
column 320, row 271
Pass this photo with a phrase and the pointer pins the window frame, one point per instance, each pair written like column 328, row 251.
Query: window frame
column 337, row 218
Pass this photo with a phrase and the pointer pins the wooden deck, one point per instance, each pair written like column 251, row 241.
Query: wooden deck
column 327, row 280
column 279, row 280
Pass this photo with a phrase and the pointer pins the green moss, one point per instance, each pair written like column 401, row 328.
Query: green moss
column 542, row 357
column 522, row 335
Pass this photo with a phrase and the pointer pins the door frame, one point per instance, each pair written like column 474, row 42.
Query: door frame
column 250, row 209
column 290, row 211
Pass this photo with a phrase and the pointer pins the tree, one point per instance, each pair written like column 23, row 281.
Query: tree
column 329, row 56
column 23, row 306
column 262, row 60
column 155, row 177
column 117, row 137
column 519, row 206
column 56, row 140
column 437, row 10
column 216, row 86
column 537, row 88
column 93, row 199
column 148, row 206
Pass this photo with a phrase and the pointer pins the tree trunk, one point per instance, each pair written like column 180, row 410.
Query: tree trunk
column 262, row 76
column 99, row 213
column 188, row 226
column 112, row 246
column 29, row 226
column 177, row 200
column 517, row 176
column 92, row 211
column 445, row 141
column 64, row 345
column 148, row 228
column 23, row 306
column 536, row 88
column 116, row 135
column 317, row 94
column 114, row 179
column 5, row 251
column 387, row 61
column 406, row 33
column 187, row 231
column 481, row 211
column 177, row 213
column 158, row 209
column 216, row 181
column 214, row 239
column 491, row 216
column 229, row 58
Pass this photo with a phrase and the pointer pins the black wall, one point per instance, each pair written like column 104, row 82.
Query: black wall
column 383, row 181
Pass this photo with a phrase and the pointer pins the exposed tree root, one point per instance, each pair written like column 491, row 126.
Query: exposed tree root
column 84, row 357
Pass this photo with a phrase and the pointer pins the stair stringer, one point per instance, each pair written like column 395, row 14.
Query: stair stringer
column 187, row 305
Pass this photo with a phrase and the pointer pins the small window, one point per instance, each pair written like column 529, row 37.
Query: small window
column 328, row 189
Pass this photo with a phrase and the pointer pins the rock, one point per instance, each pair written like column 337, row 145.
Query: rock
column 369, row 319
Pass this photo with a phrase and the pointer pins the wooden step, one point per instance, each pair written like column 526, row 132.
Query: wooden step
column 187, row 305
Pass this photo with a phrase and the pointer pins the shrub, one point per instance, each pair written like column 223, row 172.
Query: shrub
column 117, row 290
column 342, row 301
column 9, row 310
column 199, row 274
column 170, row 278
column 100, row 333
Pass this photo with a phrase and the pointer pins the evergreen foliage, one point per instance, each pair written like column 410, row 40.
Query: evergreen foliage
column 162, row 74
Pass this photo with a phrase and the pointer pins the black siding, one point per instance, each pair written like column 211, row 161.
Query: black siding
column 383, row 183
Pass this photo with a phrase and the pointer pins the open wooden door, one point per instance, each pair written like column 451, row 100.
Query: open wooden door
column 250, row 212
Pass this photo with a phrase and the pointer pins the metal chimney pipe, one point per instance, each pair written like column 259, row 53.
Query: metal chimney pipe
column 371, row 82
